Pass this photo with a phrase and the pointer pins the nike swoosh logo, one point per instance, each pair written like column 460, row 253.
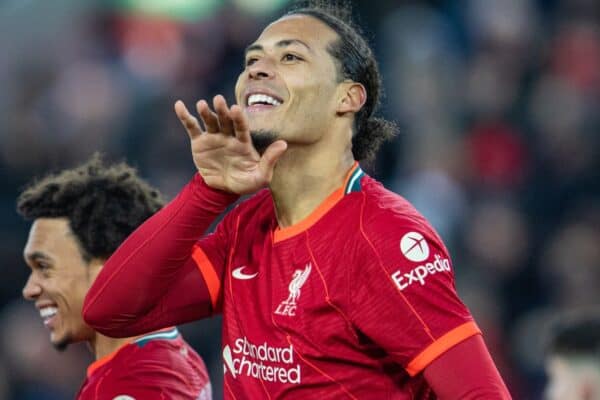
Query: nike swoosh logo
column 238, row 274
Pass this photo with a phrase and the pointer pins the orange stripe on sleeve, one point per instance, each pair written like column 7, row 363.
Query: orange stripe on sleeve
column 441, row 345
column 213, row 284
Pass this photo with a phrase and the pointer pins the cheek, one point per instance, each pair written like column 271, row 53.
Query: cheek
column 73, row 292
column 237, row 89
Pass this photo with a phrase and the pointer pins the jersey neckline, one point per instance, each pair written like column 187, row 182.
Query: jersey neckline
column 351, row 184
column 167, row 333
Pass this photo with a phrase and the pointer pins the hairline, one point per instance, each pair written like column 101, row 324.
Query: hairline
column 85, row 255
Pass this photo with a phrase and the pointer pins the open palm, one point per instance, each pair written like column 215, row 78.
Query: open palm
column 223, row 153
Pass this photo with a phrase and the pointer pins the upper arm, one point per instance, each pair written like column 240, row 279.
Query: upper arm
column 466, row 371
column 406, row 301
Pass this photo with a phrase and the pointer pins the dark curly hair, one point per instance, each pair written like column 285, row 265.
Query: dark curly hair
column 103, row 204
column 356, row 62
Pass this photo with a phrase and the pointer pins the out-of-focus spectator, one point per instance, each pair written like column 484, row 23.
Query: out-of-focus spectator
column 573, row 359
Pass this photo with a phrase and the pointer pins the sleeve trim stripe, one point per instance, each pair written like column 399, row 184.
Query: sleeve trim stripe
column 209, row 274
column 441, row 345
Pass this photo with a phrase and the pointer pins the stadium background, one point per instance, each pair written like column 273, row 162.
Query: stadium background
column 497, row 101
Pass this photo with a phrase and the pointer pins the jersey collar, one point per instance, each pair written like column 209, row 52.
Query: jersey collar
column 351, row 183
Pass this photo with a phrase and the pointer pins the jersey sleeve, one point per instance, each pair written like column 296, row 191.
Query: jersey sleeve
column 210, row 255
column 405, row 298
column 154, row 278
column 469, row 358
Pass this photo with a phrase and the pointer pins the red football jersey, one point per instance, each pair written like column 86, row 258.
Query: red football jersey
column 352, row 302
column 159, row 365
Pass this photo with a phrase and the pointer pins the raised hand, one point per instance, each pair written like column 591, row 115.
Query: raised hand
column 223, row 153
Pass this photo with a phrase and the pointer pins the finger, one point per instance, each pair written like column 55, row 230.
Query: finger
column 209, row 118
column 189, row 122
column 270, row 157
column 240, row 124
column 220, row 105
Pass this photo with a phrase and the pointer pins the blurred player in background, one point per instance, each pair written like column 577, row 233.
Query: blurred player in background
column 80, row 216
column 330, row 286
column 573, row 360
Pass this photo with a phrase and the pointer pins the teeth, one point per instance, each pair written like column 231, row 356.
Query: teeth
column 48, row 312
column 262, row 98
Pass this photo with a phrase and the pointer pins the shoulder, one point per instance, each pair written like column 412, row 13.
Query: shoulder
column 158, row 365
column 159, row 354
column 261, row 202
column 252, row 213
column 386, row 215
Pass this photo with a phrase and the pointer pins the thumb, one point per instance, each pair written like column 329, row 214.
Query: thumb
column 269, row 158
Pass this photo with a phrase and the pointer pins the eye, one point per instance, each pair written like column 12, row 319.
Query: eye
column 43, row 266
column 291, row 57
column 251, row 61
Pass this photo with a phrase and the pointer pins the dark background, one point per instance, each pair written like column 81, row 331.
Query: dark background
column 497, row 101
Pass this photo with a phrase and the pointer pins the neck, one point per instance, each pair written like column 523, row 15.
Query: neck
column 303, row 178
column 102, row 345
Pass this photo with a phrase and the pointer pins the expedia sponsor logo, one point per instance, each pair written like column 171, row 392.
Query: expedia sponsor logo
column 268, row 363
column 421, row 272
column 414, row 247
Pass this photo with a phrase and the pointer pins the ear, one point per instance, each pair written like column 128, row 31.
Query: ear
column 353, row 97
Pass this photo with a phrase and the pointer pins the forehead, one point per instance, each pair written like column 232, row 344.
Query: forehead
column 310, row 30
column 51, row 236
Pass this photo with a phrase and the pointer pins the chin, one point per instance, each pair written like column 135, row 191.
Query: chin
column 262, row 138
column 61, row 344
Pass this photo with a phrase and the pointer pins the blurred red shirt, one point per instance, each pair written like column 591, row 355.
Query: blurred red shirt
column 159, row 365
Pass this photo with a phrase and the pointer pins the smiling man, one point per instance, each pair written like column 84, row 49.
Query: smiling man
column 80, row 216
column 330, row 286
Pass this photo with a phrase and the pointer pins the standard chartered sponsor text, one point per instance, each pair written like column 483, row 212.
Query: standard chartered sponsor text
column 269, row 363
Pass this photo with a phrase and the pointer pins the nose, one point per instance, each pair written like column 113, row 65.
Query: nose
column 261, row 69
column 32, row 289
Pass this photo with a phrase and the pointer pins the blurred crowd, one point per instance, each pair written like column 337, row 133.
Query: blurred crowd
column 498, row 104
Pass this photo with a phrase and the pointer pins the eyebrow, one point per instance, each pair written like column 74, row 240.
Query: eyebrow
column 37, row 255
column 281, row 43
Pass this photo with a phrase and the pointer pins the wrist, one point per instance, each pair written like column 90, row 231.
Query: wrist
column 208, row 195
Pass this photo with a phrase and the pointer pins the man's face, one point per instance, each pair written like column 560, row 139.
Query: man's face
column 568, row 381
column 59, row 280
column 289, row 86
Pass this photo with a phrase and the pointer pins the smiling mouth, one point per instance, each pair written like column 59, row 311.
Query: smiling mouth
column 47, row 314
column 261, row 102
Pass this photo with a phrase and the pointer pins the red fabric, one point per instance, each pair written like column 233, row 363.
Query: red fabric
column 353, row 302
column 158, row 369
column 466, row 372
column 361, row 325
column 135, row 294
